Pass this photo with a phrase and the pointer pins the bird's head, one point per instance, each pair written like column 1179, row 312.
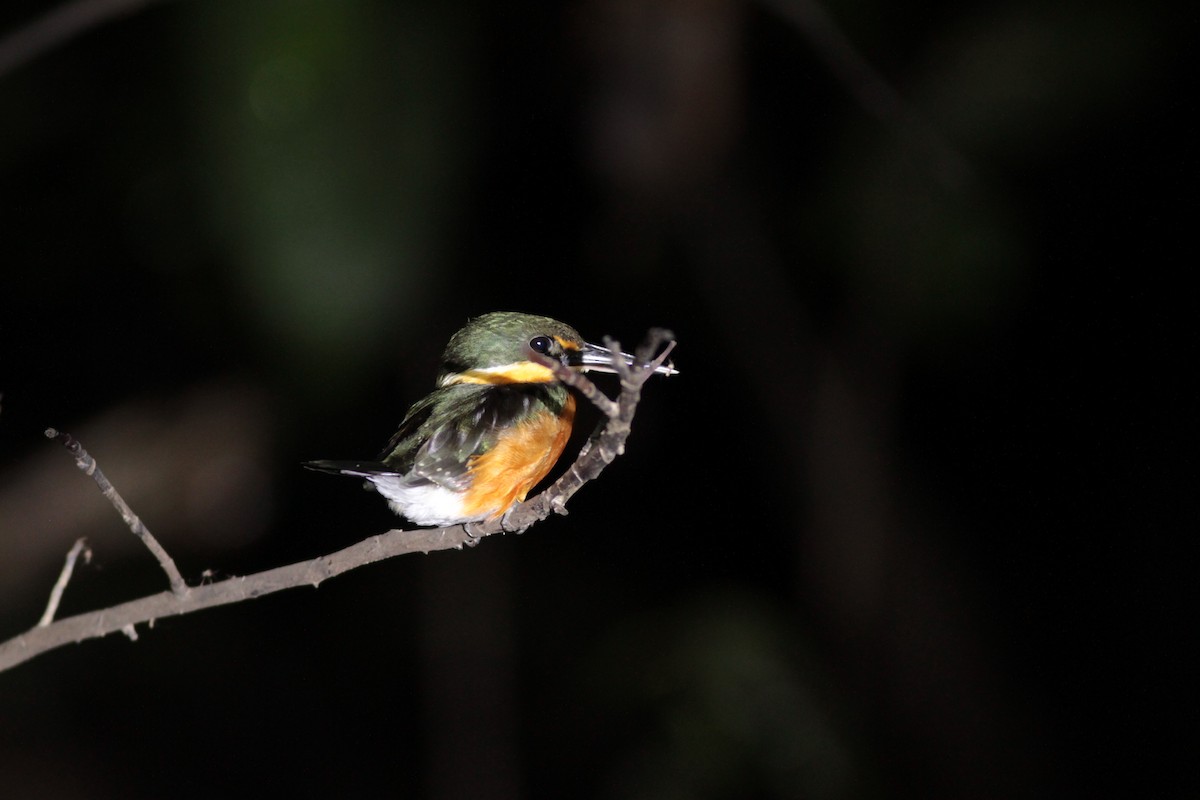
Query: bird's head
column 497, row 348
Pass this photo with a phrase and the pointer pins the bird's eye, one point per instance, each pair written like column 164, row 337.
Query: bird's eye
column 541, row 344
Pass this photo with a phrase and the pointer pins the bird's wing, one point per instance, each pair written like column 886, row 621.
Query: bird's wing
column 443, row 431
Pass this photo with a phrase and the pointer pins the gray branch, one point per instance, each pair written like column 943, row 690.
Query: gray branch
column 64, row 578
column 85, row 462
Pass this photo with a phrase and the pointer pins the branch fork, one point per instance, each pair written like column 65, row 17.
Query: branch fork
column 88, row 465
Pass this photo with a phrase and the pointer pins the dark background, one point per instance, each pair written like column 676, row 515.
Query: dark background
column 916, row 519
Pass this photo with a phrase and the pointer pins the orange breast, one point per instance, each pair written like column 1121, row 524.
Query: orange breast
column 503, row 476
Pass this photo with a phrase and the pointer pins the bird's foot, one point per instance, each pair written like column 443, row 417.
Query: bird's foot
column 473, row 538
column 509, row 524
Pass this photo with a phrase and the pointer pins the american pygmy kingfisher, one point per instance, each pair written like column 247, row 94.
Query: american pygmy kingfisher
column 493, row 427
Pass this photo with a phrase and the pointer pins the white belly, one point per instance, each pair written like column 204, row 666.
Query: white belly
column 427, row 504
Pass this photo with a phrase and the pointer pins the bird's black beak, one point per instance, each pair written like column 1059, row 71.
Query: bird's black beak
column 600, row 359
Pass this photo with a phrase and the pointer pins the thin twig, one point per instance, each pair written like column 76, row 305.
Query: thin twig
column 622, row 369
column 580, row 382
column 89, row 466
column 662, row 357
column 60, row 585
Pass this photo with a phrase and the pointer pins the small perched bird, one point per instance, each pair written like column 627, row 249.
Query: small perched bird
column 493, row 427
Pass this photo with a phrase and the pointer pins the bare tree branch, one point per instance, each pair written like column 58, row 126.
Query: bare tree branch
column 605, row 446
column 85, row 462
column 578, row 381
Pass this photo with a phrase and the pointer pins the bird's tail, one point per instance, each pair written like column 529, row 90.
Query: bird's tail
column 363, row 469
